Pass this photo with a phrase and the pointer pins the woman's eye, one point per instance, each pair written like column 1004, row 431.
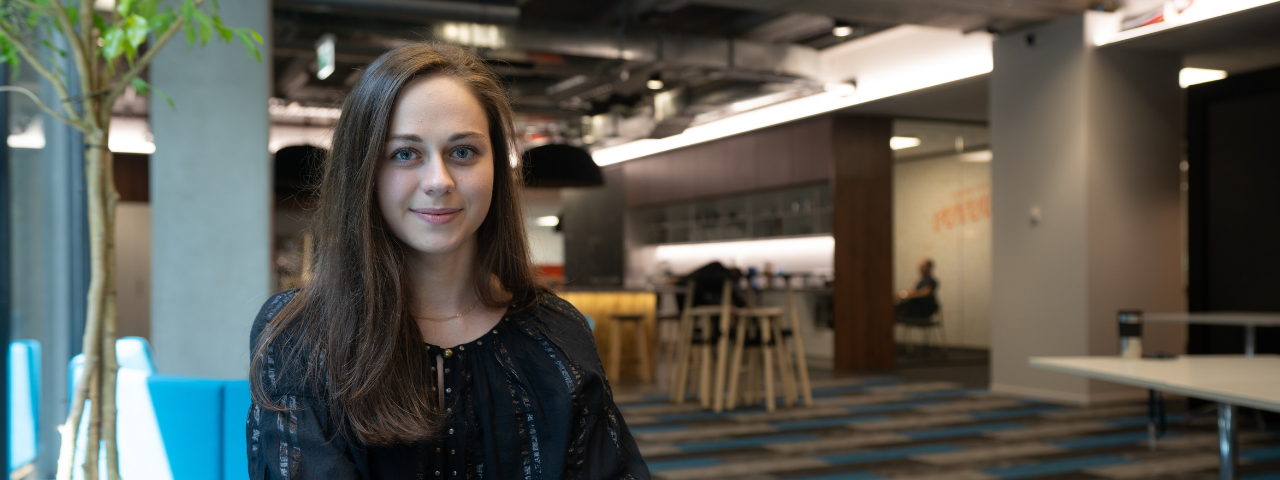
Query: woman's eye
column 402, row 155
column 463, row 153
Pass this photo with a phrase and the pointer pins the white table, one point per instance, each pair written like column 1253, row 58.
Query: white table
column 1230, row 380
column 1249, row 320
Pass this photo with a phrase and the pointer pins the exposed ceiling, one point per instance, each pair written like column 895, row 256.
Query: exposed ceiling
column 569, row 59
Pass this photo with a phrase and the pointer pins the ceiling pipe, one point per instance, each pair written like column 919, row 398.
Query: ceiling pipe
column 398, row 9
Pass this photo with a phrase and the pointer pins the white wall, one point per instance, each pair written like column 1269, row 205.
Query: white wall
column 942, row 210
column 133, row 269
column 211, row 200
column 546, row 245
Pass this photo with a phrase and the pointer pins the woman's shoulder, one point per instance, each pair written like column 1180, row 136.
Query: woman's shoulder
column 559, row 321
column 269, row 310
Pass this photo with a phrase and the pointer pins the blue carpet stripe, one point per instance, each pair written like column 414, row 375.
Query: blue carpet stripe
column 1261, row 454
column 692, row 416
column 887, row 454
column 752, row 442
column 1054, row 467
column 696, row 462
column 960, row 431
column 657, row 428
column 842, row 476
column 1103, row 441
column 1013, row 413
column 962, row 392
column 891, row 407
column 827, row 422
column 1142, row 421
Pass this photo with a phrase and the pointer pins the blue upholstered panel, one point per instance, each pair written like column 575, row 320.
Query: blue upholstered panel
column 235, row 408
column 24, row 386
column 189, row 411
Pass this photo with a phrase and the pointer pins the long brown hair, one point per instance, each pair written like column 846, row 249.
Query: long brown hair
column 350, row 328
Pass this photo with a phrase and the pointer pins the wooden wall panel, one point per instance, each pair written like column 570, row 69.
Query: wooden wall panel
column 773, row 170
column 863, row 231
column 786, row 155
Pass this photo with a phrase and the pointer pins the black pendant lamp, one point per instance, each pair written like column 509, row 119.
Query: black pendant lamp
column 559, row 165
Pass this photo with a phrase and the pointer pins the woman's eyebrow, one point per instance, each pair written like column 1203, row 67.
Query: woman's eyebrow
column 461, row 135
column 408, row 137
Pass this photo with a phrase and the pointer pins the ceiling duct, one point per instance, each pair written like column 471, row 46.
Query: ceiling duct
column 399, row 9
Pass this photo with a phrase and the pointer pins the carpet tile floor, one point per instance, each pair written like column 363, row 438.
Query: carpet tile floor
column 887, row 427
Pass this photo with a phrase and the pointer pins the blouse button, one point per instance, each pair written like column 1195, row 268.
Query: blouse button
column 437, row 473
column 462, row 347
column 450, row 409
column 452, row 451
column 450, row 431
column 495, row 332
column 479, row 342
column 448, row 352
column 437, row 449
column 448, row 390
column 445, row 370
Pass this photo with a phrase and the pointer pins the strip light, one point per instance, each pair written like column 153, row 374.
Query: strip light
column 906, row 77
column 780, row 251
column 1198, row 11
column 899, row 143
column 1191, row 76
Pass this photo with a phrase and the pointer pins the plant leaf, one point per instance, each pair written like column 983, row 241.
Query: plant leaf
column 99, row 23
column 222, row 29
column 161, row 21
column 247, row 37
column 73, row 14
column 146, row 8
column 145, row 88
column 114, row 43
column 136, row 30
column 124, row 7
column 206, row 26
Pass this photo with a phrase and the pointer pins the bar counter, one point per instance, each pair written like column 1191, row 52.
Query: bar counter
column 601, row 305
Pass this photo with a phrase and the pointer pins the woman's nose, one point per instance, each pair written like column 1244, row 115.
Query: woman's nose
column 436, row 179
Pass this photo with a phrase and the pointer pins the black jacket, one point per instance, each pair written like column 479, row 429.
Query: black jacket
column 528, row 400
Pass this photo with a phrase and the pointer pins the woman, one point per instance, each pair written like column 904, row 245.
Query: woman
column 422, row 347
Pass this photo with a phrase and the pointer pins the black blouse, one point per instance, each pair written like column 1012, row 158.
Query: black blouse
column 527, row 400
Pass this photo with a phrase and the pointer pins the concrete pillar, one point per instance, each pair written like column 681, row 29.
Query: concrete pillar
column 211, row 200
column 1085, row 199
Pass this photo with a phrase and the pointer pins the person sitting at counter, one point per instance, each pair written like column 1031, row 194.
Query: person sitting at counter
column 709, row 284
column 922, row 301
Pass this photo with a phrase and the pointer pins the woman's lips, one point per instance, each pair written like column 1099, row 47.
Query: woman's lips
column 436, row 216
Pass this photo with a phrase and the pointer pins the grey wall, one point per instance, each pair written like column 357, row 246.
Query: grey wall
column 210, row 197
column 1091, row 139
column 593, row 225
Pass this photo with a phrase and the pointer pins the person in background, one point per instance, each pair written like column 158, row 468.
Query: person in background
column 922, row 301
column 423, row 346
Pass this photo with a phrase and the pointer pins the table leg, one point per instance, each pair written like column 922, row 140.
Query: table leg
column 1250, row 332
column 1228, row 447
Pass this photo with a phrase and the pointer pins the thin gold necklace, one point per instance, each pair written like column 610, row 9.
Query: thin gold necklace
column 464, row 312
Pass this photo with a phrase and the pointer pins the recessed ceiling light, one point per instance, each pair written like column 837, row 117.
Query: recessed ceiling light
column 654, row 83
column 1191, row 76
column 548, row 221
column 899, row 143
column 842, row 29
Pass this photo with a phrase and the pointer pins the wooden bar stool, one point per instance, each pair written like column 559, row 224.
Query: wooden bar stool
column 642, row 345
column 699, row 335
column 667, row 329
column 756, row 328
column 797, row 344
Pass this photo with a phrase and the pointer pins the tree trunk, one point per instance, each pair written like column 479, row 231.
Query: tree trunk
column 97, row 385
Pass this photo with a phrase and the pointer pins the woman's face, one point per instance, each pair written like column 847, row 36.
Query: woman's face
column 434, row 180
